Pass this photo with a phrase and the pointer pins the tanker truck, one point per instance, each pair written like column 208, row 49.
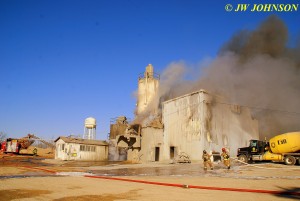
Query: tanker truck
column 281, row 148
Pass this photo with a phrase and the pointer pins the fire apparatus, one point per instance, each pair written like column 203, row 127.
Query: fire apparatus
column 13, row 145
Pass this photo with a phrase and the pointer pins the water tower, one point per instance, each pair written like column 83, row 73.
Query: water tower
column 90, row 128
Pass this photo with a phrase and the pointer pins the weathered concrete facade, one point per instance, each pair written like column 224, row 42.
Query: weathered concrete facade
column 199, row 121
column 186, row 126
column 192, row 123
column 150, row 145
column 81, row 149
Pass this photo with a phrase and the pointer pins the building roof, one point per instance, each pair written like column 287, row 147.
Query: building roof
column 189, row 94
column 82, row 141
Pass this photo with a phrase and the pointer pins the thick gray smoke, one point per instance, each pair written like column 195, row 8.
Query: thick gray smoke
column 257, row 69
column 254, row 69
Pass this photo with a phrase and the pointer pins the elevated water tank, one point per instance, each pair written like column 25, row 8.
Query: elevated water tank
column 90, row 123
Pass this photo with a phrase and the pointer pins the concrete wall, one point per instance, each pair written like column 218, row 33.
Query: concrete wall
column 183, row 126
column 151, row 138
column 116, row 153
column 71, row 151
column 231, row 127
column 151, row 142
column 194, row 122
column 147, row 88
column 117, row 129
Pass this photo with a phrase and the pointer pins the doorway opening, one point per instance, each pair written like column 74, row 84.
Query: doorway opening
column 172, row 152
column 156, row 153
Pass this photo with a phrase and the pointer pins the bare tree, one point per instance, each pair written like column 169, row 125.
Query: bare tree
column 2, row 136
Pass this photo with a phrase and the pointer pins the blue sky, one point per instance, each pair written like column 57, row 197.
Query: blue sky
column 63, row 61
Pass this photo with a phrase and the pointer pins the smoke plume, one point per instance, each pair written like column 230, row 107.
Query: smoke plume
column 255, row 69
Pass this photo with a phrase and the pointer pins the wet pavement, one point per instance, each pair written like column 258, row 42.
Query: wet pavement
column 174, row 170
column 40, row 167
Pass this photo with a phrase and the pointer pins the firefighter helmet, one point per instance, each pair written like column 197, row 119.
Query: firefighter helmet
column 204, row 151
column 223, row 149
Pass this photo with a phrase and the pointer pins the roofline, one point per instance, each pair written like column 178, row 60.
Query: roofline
column 189, row 94
column 82, row 140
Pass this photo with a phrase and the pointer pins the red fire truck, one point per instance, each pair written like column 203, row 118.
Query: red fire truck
column 11, row 146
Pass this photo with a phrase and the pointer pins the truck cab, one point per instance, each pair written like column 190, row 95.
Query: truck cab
column 254, row 151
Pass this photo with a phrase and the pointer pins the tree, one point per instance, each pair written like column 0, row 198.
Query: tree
column 2, row 136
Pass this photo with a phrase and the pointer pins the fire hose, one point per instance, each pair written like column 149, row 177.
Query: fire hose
column 274, row 192
column 244, row 190
column 247, row 164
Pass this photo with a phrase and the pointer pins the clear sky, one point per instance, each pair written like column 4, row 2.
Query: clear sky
column 62, row 61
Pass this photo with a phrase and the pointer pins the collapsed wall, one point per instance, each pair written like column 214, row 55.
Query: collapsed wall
column 118, row 127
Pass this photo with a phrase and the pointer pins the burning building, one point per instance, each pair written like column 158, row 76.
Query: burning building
column 187, row 124
column 258, row 69
column 199, row 120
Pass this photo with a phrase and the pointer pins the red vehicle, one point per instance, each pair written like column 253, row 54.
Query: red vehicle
column 2, row 146
column 11, row 146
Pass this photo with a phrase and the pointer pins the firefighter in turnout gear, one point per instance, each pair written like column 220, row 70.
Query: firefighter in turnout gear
column 206, row 160
column 34, row 151
column 226, row 158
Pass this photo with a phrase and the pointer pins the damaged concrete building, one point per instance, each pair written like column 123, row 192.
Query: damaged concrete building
column 186, row 125
column 118, row 128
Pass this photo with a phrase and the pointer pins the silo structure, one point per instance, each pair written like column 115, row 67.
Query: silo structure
column 90, row 128
column 147, row 88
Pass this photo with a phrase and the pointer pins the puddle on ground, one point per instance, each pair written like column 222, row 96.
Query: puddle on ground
column 174, row 170
column 115, row 168
column 92, row 163
column 74, row 174
column 25, row 176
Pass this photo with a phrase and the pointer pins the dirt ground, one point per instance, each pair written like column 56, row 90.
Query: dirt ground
column 41, row 177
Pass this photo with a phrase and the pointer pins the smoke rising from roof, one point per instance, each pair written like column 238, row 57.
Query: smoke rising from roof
column 254, row 69
column 258, row 69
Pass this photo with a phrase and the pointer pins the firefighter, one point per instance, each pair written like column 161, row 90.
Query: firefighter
column 34, row 151
column 206, row 160
column 226, row 158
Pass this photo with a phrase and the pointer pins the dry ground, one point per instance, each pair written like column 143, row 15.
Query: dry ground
column 37, row 178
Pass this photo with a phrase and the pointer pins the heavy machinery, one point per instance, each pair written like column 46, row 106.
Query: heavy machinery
column 12, row 145
column 281, row 148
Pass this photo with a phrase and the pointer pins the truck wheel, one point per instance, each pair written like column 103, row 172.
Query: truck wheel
column 243, row 158
column 289, row 160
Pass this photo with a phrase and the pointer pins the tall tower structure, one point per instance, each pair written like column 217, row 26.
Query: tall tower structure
column 147, row 88
column 90, row 128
